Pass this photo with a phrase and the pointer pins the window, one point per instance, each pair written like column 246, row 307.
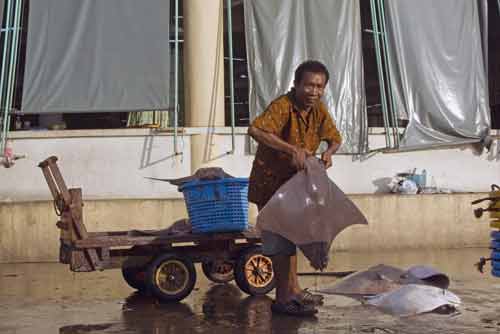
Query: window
column 97, row 120
column 240, row 77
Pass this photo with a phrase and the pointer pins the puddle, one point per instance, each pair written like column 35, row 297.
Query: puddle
column 48, row 298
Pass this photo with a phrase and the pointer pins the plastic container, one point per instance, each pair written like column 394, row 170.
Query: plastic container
column 495, row 235
column 495, row 245
column 419, row 179
column 495, row 265
column 218, row 205
column 495, row 255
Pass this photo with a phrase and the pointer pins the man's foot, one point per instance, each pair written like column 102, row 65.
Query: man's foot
column 307, row 298
column 294, row 308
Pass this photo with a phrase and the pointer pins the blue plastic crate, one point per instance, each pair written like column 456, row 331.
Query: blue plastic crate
column 217, row 206
column 495, row 245
column 495, row 255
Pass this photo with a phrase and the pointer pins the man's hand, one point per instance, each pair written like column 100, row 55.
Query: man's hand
column 299, row 157
column 326, row 157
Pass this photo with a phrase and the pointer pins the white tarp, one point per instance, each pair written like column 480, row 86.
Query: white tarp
column 95, row 55
column 282, row 34
column 438, row 69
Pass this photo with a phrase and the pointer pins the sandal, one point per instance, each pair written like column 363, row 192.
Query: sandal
column 294, row 308
column 308, row 298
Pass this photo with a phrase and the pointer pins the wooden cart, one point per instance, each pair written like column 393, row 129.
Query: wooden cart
column 162, row 264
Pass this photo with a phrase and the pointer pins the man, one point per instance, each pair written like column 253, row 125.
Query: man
column 289, row 131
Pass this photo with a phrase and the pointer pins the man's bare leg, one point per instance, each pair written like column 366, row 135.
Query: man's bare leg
column 294, row 280
column 281, row 267
column 285, row 269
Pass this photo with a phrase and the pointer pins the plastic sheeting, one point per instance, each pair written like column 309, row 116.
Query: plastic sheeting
column 310, row 211
column 2, row 5
column 94, row 55
column 282, row 34
column 438, row 69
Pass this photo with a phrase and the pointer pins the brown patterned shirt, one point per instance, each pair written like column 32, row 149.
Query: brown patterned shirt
column 306, row 129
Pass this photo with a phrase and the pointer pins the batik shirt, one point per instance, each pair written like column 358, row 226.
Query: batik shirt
column 305, row 129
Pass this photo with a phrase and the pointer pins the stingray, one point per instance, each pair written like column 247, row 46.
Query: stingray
column 383, row 278
column 414, row 299
column 202, row 174
column 373, row 281
column 310, row 211
column 180, row 227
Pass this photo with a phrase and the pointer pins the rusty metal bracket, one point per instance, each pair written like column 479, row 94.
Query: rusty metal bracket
column 480, row 265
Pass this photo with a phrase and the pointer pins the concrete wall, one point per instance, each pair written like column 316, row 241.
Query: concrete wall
column 111, row 164
column 28, row 232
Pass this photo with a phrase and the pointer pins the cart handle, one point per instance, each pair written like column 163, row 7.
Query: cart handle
column 493, row 199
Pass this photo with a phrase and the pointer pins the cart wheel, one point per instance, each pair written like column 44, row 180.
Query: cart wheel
column 134, row 269
column 218, row 271
column 254, row 272
column 171, row 277
column 135, row 277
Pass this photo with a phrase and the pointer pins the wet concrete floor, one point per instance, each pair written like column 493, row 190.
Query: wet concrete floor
column 48, row 298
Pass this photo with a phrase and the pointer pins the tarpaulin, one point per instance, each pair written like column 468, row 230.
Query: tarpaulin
column 438, row 68
column 2, row 5
column 282, row 34
column 94, row 55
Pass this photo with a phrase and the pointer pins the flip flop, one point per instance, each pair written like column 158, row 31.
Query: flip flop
column 308, row 298
column 294, row 308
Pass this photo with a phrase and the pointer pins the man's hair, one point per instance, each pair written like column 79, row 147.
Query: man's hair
column 312, row 66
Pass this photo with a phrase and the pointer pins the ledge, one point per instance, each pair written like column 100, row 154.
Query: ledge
column 140, row 132
column 178, row 197
column 125, row 132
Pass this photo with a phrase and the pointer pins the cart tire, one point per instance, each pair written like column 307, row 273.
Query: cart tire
column 218, row 272
column 254, row 272
column 135, row 277
column 170, row 277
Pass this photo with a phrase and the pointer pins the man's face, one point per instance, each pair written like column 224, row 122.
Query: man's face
column 310, row 89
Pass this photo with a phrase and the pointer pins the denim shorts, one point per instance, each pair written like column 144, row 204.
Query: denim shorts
column 274, row 244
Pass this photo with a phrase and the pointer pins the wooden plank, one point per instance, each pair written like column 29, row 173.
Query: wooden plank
column 79, row 262
column 66, row 233
column 45, row 163
column 77, row 212
column 115, row 241
column 250, row 233
column 50, row 182
column 63, row 190
column 116, row 233
column 64, row 252
column 77, row 217
column 105, row 257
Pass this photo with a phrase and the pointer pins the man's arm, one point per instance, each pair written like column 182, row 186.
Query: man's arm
column 298, row 154
column 330, row 134
column 326, row 156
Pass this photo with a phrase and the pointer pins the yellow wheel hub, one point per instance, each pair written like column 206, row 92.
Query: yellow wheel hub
column 172, row 277
column 259, row 270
